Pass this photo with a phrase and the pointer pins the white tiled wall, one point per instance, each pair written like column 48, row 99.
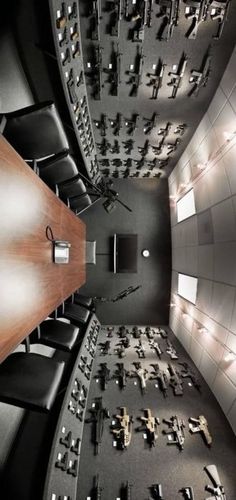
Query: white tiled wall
column 205, row 245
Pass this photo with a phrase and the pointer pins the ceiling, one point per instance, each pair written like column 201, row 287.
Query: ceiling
column 136, row 134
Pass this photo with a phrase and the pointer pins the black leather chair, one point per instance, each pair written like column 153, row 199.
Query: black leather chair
column 57, row 169
column 30, row 380
column 56, row 334
column 36, row 131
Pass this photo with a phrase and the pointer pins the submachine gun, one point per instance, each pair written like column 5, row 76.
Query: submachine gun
column 217, row 489
column 175, row 381
column 161, row 377
column 99, row 413
column 122, row 431
column 149, row 425
column 177, row 430
column 200, row 424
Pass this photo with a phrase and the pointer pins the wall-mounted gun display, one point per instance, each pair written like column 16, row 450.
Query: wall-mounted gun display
column 200, row 78
column 102, row 125
column 156, row 78
column 161, row 377
column 99, row 413
column 104, row 375
column 176, row 431
column 131, row 124
column 150, row 124
column 149, row 426
column 135, row 73
column 200, row 424
column 121, row 373
column 122, row 429
column 217, row 490
column 95, row 14
column 142, row 374
column 175, row 381
column 197, row 11
column 187, row 372
column 169, row 11
column 177, row 76
column 218, row 12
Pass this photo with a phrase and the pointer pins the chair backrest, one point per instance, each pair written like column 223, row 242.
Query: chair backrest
column 91, row 252
column 36, row 131
column 57, row 168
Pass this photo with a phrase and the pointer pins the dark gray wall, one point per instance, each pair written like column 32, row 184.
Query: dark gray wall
column 150, row 220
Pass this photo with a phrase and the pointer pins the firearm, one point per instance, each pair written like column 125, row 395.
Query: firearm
column 161, row 377
column 200, row 424
column 150, row 124
column 188, row 373
column 177, row 429
column 156, row 79
column 142, row 374
column 136, row 73
column 175, row 381
column 140, row 349
column 217, row 489
column 105, row 347
column 219, row 11
column 102, row 125
column 198, row 12
column 97, row 489
column 98, row 415
column 177, row 77
column 122, row 375
column 200, row 78
column 169, row 10
column 104, row 375
column 123, row 429
column 154, row 345
column 149, row 425
column 171, row 350
column 187, row 493
column 156, row 491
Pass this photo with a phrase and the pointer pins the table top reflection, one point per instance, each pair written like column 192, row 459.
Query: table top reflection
column 32, row 285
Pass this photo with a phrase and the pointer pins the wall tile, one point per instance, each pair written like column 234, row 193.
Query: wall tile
column 223, row 297
column 229, row 160
column 232, row 416
column 224, row 221
column 225, row 262
column 205, row 228
column 224, row 391
column 205, row 261
column 228, row 80
column 208, row 368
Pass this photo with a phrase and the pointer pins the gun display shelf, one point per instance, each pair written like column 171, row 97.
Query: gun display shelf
column 66, row 34
column 63, row 467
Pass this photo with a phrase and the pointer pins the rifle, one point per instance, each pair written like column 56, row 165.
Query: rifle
column 177, row 429
column 142, row 374
column 176, row 81
column 175, row 381
column 154, row 345
column 169, row 10
column 136, row 73
column 149, row 425
column 98, row 415
column 104, row 375
column 189, row 373
column 219, row 11
column 161, row 378
column 200, row 78
column 217, row 489
column 188, row 493
column 122, row 374
column 123, row 429
column 97, row 489
column 156, row 79
column 140, row 349
column 156, row 491
column 171, row 350
column 200, row 424
column 198, row 13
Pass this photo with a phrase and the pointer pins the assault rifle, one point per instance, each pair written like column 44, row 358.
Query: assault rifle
column 187, row 493
column 98, row 415
column 175, row 381
column 197, row 11
column 140, row 349
column 104, row 375
column 219, row 12
column 200, row 78
column 217, row 489
column 171, row 350
column 200, row 425
column 154, row 345
column 177, row 430
column 156, row 79
column 188, row 373
column 122, row 375
column 136, row 73
column 122, row 430
column 142, row 374
column 156, row 491
column 149, row 425
column 161, row 378
column 177, row 77
column 169, row 10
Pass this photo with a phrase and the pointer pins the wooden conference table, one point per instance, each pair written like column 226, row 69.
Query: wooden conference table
column 31, row 284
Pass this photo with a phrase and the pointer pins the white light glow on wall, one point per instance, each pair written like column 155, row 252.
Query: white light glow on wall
column 186, row 206
column 187, row 287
